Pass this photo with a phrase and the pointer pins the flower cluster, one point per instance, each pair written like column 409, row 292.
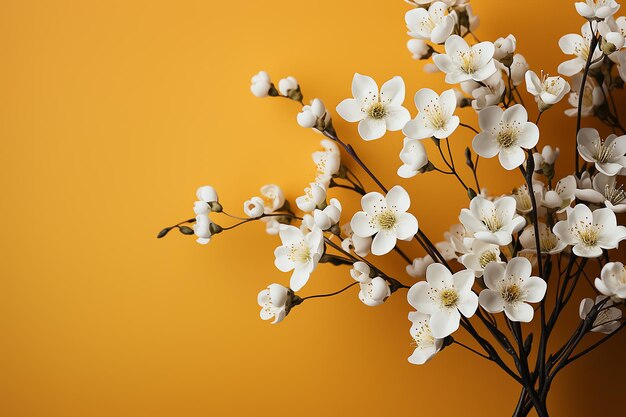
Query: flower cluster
column 495, row 264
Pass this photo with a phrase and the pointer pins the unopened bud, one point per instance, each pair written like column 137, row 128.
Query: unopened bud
column 215, row 228
column 185, row 230
column 471, row 193
column 164, row 232
column 215, row 206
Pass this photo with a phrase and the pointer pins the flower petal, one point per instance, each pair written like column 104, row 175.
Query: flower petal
column 371, row 129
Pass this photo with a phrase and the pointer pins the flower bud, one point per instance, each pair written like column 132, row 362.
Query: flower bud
column 289, row 87
column 254, row 207
column 504, row 50
column 262, row 85
column 419, row 49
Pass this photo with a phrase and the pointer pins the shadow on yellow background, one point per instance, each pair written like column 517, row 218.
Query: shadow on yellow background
column 113, row 112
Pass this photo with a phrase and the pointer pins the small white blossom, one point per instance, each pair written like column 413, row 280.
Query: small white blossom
column 387, row 218
column 462, row 62
column 206, row 195
column 506, row 134
column 261, row 84
column 488, row 94
column 549, row 243
column 511, row 288
column 445, row 297
column 504, row 48
column 314, row 116
column 419, row 49
column 426, row 345
column 414, row 158
column 492, row 222
column 589, row 232
column 548, row 156
column 436, row 115
column 273, row 302
column 593, row 97
column 605, row 191
column 434, row 24
column 273, row 198
column 313, row 197
column 287, row 85
column 612, row 281
column 329, row 216
column 547, row 90
column 327, row 162
column 360, row 245
column 202, row 229
column 360, row 271
column 254, row 207
column 375, row 113
column 607, row 319
column 519, row 67
column 299, row 252
column 562, row 196
column 577, row 45
column 607, row 155
column 597, row 9
column 374, row 291
column 418, row 268
column 480, row 255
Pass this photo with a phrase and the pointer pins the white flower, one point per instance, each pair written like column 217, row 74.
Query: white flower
column 504, row 47
column 574, row 44
column 492, row 222
column 510, row 289
column 202, row 229
column 329, row 216
column 506, row 134
column 313, row 197
column 374, row 291
column 612, row 281
column 547, row 156
column 272, row 225
column 433, row 24
column 436, row 115
column 462, row 62
column 607, row 319
column 590, row 232
column 605, row 191
column 206, row 195
column 418, row 268
column 460, row 238
column 419, row 49
column 592, row 97
column 327, row 162
column 596, row 9
column 253, row 207
column 549, row 243
column 300, row 252
column 386, row 217
column 273, row 198
column 360, row 245
column 413, row 157
column 375, row 113
column 273, row 302
column 481, row 254
column 608, row 154
column 261, row 84
column 521, row 194
column 360, row 271
column 443, row 296
column 426, row 346
column 519, row 67
column 490, row 93
column 314, row 116
column 562, row 196
column 446, row 249
column 287, row 85
column 547, row 90
column 612, row 37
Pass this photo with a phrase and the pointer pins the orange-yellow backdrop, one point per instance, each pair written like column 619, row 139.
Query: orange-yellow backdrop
column 113, row 112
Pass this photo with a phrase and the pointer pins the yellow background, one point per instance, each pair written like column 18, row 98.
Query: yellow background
column 113, row 112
